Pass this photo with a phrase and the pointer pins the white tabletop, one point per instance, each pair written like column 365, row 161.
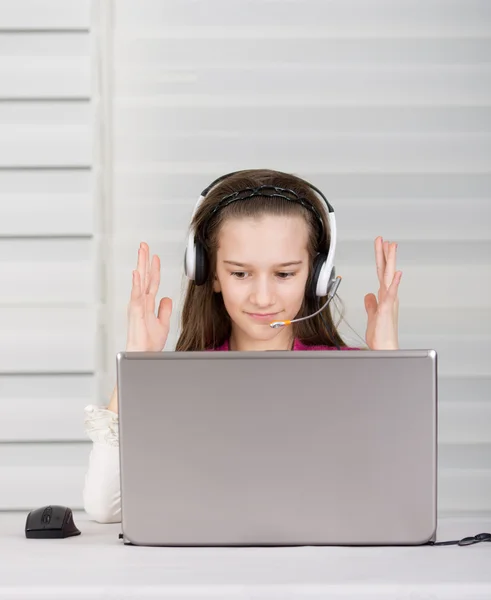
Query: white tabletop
column 98, row 565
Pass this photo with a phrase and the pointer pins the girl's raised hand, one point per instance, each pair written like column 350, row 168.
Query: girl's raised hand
column 383, row 312
column 147, row 331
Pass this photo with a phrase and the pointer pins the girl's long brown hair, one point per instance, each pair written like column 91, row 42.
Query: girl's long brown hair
column 205, row 322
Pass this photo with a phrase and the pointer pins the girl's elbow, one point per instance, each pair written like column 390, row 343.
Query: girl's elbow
column 101, row 510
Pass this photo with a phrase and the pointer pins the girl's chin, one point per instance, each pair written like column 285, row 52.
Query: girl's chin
column 261, row 331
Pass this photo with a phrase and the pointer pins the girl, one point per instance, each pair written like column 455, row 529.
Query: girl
column 261, row 239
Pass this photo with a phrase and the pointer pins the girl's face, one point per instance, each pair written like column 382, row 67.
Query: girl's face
column 262, row 270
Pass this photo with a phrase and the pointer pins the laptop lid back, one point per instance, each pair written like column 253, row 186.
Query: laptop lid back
column 278, row 448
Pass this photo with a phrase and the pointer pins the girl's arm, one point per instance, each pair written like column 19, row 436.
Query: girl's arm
column 102, row 492
column 146, row 332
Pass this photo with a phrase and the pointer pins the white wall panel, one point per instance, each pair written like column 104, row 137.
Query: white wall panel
column 294, row 47
column 34, row 475
column 45, row 215
column 46, row 202
column 464, row 422
column 44, row 78
column 138, row 118
column 48, row 14
column 343, row 152
column 157, row 181
column 273, row 86
column 461, row 490
column 38, row 271
column 49, row 301
column 44, row 146
column 30, row 43
column 44, row 407
column 47, row 340
column 441, row 18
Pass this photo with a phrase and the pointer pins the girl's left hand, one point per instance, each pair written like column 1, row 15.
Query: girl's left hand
column 383, row 315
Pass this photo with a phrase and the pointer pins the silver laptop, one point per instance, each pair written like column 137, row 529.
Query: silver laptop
column 278, row 448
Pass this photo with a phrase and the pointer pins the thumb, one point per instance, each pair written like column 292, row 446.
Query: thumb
column 165, row 311
column 370, row 304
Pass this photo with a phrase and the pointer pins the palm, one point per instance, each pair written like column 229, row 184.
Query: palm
column 152, row 333
column 147, row 331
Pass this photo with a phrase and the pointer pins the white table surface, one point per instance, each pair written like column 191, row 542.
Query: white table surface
column 98, row 565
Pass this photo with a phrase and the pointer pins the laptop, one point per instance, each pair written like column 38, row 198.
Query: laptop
column 278, row 448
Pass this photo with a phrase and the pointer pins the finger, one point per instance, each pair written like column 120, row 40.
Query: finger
column 154, row 282
column 394, row 286
column 380, row 259
column 135, row 311
column 135, row 287
column 165, row 311
column 147, row 267
column 386, row 250
column 141, row 266
column 390, row 267
column 371, row 304
column 135, row 306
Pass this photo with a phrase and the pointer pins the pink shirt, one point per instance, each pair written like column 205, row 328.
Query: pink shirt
column 297, row 345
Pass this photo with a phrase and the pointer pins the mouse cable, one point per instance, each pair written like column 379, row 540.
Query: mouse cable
column 467, row 541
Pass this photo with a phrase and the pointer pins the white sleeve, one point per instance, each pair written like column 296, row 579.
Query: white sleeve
column 102, row 492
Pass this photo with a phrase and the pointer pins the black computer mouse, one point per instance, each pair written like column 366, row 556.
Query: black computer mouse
column 51, row 522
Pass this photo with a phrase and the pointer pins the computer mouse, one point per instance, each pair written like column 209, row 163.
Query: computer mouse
column 51, row 522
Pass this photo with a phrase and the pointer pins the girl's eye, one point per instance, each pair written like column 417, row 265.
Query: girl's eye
column 244, row 274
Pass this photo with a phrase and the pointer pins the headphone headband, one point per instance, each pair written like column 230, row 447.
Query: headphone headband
column 266, row 191
column 206, row 191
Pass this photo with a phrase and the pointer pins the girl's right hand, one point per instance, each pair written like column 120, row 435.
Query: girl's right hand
column 147, row 332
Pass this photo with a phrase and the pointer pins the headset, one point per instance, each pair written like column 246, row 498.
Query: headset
column 323, row 280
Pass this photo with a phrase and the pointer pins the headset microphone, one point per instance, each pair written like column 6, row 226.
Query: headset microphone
column 332, row 293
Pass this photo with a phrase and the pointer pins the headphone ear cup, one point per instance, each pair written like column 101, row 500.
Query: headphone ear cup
column 319, row 261
column 201, row 269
